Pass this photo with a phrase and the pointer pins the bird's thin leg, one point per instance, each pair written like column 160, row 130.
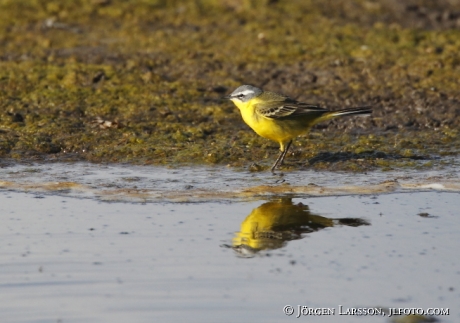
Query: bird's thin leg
column 285, row 152
column 280, row 159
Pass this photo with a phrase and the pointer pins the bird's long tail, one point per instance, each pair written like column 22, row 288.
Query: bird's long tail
column 350, row 111
column 363, row 111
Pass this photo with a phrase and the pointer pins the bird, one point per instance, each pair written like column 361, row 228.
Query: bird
column 274, row 223
column 280, row 118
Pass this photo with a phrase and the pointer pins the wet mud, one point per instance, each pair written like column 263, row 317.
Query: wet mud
column 141, row 81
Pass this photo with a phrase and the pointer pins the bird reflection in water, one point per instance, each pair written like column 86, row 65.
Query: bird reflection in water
column 273, row 224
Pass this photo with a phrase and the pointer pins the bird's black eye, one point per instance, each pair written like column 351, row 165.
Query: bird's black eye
column 240, row 96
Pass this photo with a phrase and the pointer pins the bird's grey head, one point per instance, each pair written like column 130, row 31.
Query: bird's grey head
column 244, row 93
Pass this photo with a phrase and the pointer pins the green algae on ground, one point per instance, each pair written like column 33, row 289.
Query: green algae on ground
column 141, row 81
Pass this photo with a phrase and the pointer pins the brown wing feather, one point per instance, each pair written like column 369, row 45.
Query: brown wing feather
column 286, row 109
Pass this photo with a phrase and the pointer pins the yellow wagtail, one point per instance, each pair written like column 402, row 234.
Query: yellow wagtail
column 280, row 118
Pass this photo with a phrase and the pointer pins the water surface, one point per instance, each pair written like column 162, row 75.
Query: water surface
column 67, row 255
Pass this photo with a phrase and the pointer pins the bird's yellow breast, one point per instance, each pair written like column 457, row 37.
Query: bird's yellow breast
column 277, row 130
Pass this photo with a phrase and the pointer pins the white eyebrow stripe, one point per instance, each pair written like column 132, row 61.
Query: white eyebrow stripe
column 245, row 92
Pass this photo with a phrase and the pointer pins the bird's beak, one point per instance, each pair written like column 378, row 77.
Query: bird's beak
column 227, row 97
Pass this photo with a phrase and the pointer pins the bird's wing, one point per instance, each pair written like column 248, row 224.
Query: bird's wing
column 286, row 109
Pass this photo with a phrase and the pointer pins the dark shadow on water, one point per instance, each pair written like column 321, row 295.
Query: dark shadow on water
column 271, row 225
column 344, row 156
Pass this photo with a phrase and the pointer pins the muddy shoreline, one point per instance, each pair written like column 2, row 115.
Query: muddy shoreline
column 141, row 82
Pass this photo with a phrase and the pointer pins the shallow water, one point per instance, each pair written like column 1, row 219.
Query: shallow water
column 197, row 184
column 237, row 257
